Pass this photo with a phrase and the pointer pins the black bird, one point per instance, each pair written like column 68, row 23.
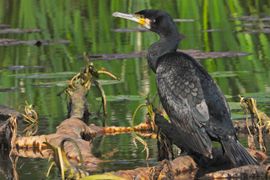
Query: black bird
column 193, row 101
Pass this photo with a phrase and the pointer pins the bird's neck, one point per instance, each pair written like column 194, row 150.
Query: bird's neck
column 166, row 44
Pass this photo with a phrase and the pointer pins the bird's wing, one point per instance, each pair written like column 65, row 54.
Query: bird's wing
column 182, row 97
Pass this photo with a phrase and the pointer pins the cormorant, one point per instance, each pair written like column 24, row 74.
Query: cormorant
column 190, row 97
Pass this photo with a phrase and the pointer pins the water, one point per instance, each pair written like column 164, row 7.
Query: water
column 88, row 25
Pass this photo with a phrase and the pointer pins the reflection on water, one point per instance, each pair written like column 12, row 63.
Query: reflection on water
column 119, row 152
column 87, row 25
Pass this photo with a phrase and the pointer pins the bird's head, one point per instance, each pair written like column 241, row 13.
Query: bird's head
column 157, row 21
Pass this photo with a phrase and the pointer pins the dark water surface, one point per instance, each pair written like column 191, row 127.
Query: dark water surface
column 231, row 25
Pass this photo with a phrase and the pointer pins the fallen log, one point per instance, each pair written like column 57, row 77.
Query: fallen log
column 244, row 172
column 69, row 128
column 182, row 167
column 73, row 128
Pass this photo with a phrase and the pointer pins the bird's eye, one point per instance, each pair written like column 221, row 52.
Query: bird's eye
column 157, row 20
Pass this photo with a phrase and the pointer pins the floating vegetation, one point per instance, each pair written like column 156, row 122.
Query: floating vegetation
column 15, row 42
column 18, row 31
column 21, row 67
column 212, row 30
column 120, row 98
column 252, row 18
column 109, row 82
column 3, row 26
column 197, row 54
column 51, row 84
column 183, row 20
column 118, row 56
column 65, row 83
column 261, row 97
column 9, row 89
column 44, row 75
column 254, row 24
column 219, row 74
column 5, row 29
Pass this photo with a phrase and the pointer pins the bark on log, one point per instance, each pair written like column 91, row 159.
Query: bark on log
column 182, row 167
column 76, row 129
column 78, row 105
column 73, row 128
column 244, row 172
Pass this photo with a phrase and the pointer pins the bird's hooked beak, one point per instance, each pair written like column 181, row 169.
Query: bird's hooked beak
column 134, row 17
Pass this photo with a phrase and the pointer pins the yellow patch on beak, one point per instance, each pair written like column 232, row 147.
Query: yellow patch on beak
column 141, row 21
column 145, row 22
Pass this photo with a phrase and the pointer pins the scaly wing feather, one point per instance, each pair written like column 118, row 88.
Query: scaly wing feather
column 182, row 98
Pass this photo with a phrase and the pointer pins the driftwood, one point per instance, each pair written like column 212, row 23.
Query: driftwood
column 73, row 128
column 70, row 128
column 77, row 105
column 76, row 129
column 182, row 167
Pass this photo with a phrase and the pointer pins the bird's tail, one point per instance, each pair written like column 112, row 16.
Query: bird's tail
column 237, row 153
